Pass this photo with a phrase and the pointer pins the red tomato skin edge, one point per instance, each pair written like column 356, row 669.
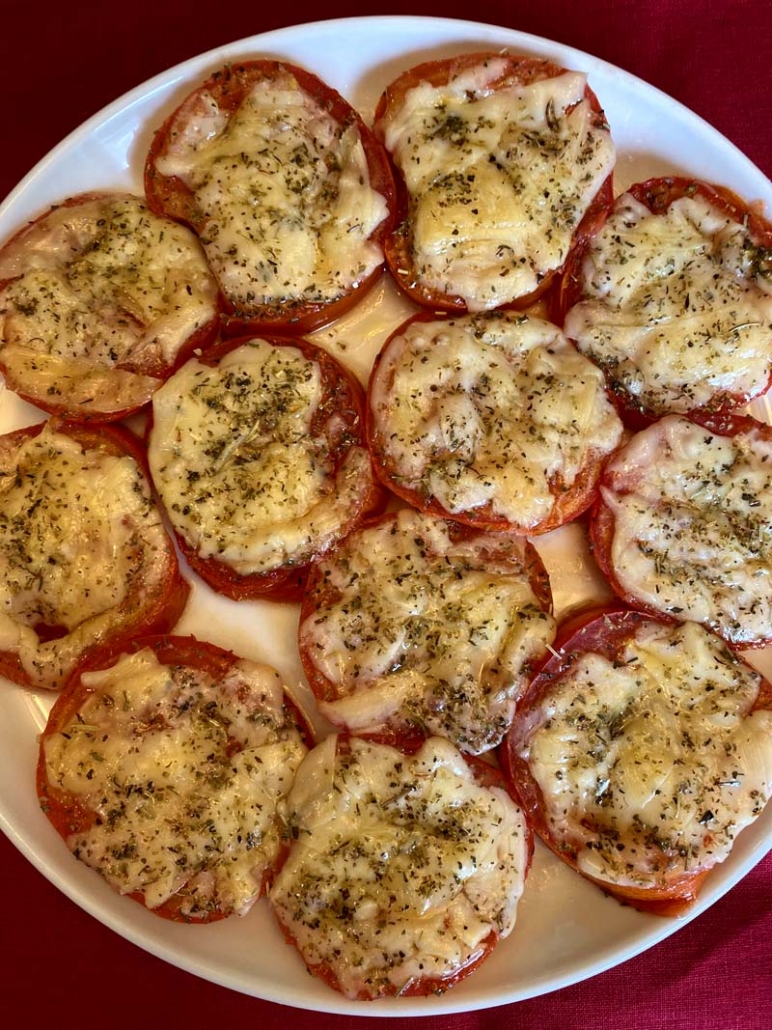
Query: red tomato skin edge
column 602, row 523
column 607, row 627
column 319, row 594
column 164, row 614
column 287, row 584
column 300, row 320
column 170, row 196
column 658, row 194
column 417, row 988
column 486, row 775
column 68, row 816
column 569, row 504
column 398, row 256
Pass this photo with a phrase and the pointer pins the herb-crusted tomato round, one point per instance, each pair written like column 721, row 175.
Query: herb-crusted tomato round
column 673, row 299
column 418, row 625
column 494, row 420
column 681, row 527
column 162, row 766
column 504, row 164
column 405, row 868
column 640, row 751
column 257, row 451
column 84, row 554
column 100, row 299
column 290, row 193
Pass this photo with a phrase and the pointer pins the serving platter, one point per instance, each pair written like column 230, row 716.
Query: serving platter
column 567, row 930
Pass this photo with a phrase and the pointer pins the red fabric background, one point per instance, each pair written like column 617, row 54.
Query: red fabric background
column 60, row 63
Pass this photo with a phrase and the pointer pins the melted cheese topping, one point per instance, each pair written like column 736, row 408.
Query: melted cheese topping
column 243, row 474
column 79, row 534
column 151, row 752
column 693, row 525
column 401, row 868
column 651, row 765
column 424, row 631
column 93, row 288
column 499, row 178
column 285, row 193
column 678, row 306
column 493, row 409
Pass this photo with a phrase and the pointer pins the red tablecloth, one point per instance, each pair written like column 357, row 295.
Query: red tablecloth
column 59, row 64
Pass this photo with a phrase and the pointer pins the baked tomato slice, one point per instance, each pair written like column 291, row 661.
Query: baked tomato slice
column 505, row 165
column 162, row 766
column 494, row 420
column 672, row 299
column 290, row 193
column 84, row 553
column 418, row 625
column 100, row 299
column 405, row 867
column 640, row 751
column 257, row 451
column 681, row 524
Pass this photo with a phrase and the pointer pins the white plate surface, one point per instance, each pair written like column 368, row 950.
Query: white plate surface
column 567, row 930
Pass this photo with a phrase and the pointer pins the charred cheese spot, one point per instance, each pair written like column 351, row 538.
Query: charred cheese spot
column 489, row 410
column 79, row 533
column 242, row 473
column 184, row 774
column 401, row 867
column 426, row 632
column 100, row 292
column 693, row 525
column 284, row 189
column 676, row 309
column 499, row 178
column 651, row 765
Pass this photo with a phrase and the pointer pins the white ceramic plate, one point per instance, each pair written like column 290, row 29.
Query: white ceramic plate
column 567, row 930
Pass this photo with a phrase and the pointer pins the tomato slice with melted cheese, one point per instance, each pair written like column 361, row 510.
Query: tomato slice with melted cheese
column 640, row 751
column 84, row 555
column 493, row 420
column 258, row 454
column 405, row 869
column 682, row 523
column 100, row 299
column 414, row 624
column 673, row 299
column 163, row 768
column 505, row 164
column 288, row 190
